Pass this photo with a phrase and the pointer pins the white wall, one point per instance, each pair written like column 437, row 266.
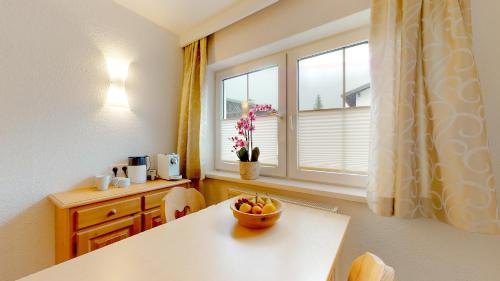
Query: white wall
column 281, row 20
column 420, row 250
column 486, row 39
column 55, row 132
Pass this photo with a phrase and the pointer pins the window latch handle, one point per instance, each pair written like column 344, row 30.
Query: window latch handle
column 291, row 121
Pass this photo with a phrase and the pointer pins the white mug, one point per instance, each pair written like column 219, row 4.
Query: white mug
column 102, row 182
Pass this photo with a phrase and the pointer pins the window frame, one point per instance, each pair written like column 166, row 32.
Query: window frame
column 253, row 66
column 293, row 56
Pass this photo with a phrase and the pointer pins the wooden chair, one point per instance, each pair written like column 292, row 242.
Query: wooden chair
column 179, row 202
column 369, row 267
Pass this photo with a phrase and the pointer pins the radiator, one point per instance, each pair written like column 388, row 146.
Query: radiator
column 234, row 191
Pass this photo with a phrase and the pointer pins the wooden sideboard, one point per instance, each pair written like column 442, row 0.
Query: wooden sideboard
column 87, row 219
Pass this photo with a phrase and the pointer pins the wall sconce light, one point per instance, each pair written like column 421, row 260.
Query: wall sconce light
column 118, row 72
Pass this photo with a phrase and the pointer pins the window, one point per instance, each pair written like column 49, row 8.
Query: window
column 261, row 82
column 258, row 87
column 333, row 117
column 327, row 96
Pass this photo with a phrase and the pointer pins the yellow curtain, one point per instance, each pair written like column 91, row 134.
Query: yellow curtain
column 429, row 153
column 188, row 140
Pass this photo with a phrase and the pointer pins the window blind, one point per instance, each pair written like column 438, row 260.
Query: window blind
column 334, row 140
column 265, row 137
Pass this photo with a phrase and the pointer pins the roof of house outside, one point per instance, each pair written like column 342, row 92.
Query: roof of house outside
column 351, row 96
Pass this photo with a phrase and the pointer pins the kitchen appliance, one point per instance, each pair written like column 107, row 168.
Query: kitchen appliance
column 137, row 168
column 152, row 174
column 169, row 166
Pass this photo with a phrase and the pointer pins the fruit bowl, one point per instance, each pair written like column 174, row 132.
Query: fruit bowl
column 256, row 221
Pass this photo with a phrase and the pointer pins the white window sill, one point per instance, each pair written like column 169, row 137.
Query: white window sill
column 320, row 189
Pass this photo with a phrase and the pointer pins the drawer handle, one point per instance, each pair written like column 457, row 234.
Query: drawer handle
column 112, row 212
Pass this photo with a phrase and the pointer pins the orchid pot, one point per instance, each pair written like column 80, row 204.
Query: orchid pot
column 249, row 170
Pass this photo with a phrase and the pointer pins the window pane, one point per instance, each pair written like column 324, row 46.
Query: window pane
column 334, row 140
column 321, row 82
column 227, row 130
column 234, row 92
column 265, row 137
column 357, row 72
column 263, row 87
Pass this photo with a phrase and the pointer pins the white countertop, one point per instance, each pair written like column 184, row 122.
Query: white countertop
column 210, row 245
column 88, row 195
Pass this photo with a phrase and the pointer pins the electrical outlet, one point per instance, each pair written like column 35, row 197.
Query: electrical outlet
column 120, row 171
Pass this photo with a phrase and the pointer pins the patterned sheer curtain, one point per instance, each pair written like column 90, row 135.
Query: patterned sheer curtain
column 429, row 153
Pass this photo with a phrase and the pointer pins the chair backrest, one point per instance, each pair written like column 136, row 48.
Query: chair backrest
column 181, row 201
column 369, row 267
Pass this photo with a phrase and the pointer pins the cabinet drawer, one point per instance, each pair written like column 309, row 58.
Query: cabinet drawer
column 97, row 214
column 153, row 200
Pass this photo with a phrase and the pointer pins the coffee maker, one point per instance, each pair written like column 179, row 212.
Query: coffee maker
column 169, row 166
column 138, row 167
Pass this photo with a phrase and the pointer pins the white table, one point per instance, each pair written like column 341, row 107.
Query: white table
column 210, row 245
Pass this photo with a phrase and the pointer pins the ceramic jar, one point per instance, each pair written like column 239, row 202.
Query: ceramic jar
column 249, row 170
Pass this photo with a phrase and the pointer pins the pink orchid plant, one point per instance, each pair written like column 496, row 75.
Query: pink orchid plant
column 243, row 142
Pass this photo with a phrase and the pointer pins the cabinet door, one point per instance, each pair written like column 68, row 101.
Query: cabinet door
column 151, row 219
column 105, row 234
